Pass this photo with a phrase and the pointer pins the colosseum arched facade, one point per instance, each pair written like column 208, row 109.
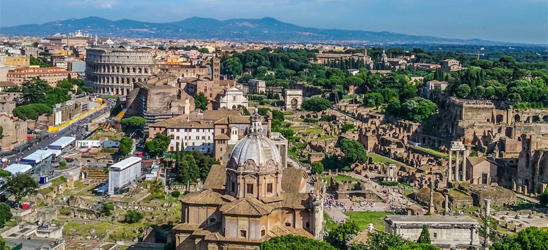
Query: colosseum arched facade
column 115, row 71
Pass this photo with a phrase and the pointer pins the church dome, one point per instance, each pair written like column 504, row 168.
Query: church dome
column 255, row 146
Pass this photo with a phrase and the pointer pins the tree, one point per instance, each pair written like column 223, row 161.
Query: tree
column 193, row 171
column 424, row 238
column 32, row 111
column 543, row 198
column 353, row 151
column 158, row 145
column 347, row 127
column 203, row 50
column 294, row 242
column 62, row 163
column 532, row 238
column 463, row 90
column 232, row 66
column 21, row 185
column 418, row 109
column 385, row 241
column 133, row 216
column 106, row 208
column 317, row 168
column 204, row 162
column 132, row 124
column 200, row 101
column 339, row 236
column 373, row 99
column 4, row 174
column 175, row 194
column 126, row 144
column 316, row 104
column 5, row 214
column 2, row 243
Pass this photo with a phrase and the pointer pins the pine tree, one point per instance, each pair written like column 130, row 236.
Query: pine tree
column 424, row 238
column 190, row 168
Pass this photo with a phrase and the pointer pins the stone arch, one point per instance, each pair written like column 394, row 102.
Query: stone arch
column 517, row 118
column 545, row 118
column 499, row 118
column 535, row 118
column 294, row 103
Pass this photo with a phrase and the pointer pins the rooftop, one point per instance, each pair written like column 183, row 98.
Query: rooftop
column 18, row 168
column 62, row 142
column 126, row 163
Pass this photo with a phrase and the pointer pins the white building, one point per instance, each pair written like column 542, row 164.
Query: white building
column 232, row 98
column 192, row 135
column 62, row 143
column 88, row 143
column 123, row 173
column 446, row 232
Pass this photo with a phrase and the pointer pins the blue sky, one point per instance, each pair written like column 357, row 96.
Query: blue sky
column 523, row 21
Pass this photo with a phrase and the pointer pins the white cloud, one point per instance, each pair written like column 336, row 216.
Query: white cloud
column 100, row 4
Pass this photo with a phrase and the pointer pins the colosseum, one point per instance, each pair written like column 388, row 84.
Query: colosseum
column 114, row 71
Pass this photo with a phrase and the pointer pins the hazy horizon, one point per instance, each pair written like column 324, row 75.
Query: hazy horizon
column 495, row 20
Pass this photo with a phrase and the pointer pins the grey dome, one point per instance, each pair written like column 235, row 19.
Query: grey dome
column 257, row 148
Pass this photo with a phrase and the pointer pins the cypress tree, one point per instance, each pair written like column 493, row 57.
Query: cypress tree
column 424, row 238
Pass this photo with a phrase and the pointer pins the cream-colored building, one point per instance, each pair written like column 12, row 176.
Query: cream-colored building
column 232, row 98
column 250, row 201
column 14, row 132
column 446, row 232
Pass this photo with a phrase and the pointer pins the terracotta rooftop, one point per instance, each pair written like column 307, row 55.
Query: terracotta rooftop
column 205, row 197
column 222, row 137
column 247, row 206
column 475, row 160
column 7, row 84
column 292, row 179
column 216, row 178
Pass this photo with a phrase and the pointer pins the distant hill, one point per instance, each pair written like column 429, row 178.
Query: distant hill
column 252, row 30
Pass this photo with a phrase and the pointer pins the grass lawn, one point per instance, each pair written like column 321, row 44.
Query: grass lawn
column 345, row 178
column 430, row 151
column 329, row 223
column 408, row 191
column 58, row 181
column 377, row 158
column 363, row 219
column 473, row 209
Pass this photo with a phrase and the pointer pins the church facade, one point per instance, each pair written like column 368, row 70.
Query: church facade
column 250, row 200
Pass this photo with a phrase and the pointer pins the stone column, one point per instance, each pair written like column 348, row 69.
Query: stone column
column 431, row 209
column 487, row 212
column 449, row 175
column 446, row 205
column 464, row 165
column 457, row 167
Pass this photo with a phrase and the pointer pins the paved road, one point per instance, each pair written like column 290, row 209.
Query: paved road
column 71, row 130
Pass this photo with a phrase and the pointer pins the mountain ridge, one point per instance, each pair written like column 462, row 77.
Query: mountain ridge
column 267, row 29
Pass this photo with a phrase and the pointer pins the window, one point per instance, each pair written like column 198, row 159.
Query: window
column 307, row 224
column 287, row 224
column 263, row 232
column 269, row 188
column 435, row 235
column 243, row 234
column 212, row 220
column 233, row 186
column 249, row 188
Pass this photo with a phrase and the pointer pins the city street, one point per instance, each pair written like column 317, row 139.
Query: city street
column 71, row 130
